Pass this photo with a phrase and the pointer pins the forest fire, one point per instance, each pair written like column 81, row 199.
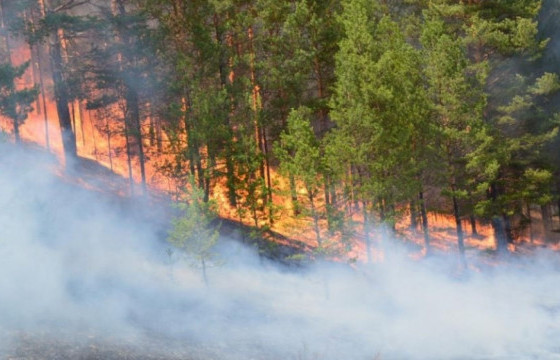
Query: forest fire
column 101, row 139
column 351, row 179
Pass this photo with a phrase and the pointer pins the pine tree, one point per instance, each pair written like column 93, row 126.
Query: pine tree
column 194, row 232
column 379, row 108
column 300, row 156
column 15, row 104
column 458, row 99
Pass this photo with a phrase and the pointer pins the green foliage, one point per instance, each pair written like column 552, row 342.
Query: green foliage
column 379, row 106
column 300, row 156
column 299, row 151
column 194, row 233
column 15, row 104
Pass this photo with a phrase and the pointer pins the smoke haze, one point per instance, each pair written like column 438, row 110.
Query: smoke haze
column 74, row 265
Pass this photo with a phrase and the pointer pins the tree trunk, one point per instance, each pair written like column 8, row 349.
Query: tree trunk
column 230, row 179
column 459, row 227
column 497, row 222
column 43, row 97
column 61, row 98
column 73, row 117
column 293, row 195
column 315, row 217
column 413, row 215
column 507, row 228
column 255, row 92
column 472, row 220
column 366, row 232
column 268, row 178
column 108, row 129
column 328, row 204
column 81, row 116
column 424, row 215
column 133, row 112
column 93, row 136
column 529, row 216
column 393, row 219
column 545, row 214
column 128, row 158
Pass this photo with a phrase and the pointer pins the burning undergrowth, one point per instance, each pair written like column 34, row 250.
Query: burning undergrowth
column 80, row 279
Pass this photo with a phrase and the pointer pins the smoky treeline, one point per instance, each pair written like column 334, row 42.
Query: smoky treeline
column 351, row 114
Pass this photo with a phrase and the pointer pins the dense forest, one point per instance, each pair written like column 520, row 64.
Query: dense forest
column 351, row 117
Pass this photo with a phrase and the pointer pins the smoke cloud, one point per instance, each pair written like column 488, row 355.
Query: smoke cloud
column 76, row 266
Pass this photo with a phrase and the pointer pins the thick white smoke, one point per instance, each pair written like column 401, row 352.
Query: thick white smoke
column 75, row 265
